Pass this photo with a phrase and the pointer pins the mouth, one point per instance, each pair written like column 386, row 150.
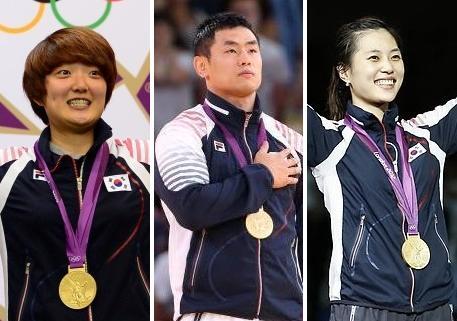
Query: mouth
column 246, row 74
column 79, row 102
column 385, row 83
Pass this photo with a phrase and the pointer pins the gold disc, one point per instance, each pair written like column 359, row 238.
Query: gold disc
column 415, row 252
column 260, row 224
column 77, row 288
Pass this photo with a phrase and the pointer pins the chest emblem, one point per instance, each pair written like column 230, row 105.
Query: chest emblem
column 38, row 175
column 415, row 152
column 219, row 146
column 117, row 183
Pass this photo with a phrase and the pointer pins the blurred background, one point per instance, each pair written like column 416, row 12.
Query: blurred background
column 279, row 24
column 430, row 44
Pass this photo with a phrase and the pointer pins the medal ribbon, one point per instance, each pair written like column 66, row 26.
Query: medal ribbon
column 77, row 243
column 404, row 190
column 231, row 140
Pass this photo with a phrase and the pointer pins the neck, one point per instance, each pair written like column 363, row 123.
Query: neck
column 378, row 112
column 245, row 103
column 73, row 143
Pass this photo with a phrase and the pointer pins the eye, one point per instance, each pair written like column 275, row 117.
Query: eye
column 95, row 73
column 373, row 58
column 253, row 50
column 231, row 50
column 63, row 72
column 396, row 57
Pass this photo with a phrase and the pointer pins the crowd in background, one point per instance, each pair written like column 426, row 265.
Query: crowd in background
column 279, row 24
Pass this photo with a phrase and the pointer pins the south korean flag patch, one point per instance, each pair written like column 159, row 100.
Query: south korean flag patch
column 415, row 152
column 117, row 183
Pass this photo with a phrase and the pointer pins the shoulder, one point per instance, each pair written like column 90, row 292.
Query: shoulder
column 283, row 133
column 13, row 153
column 135, row 148
column 190, row 125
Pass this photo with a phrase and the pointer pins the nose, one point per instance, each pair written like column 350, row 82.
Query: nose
column 79, row 83
column 387, row 67
column 244, row 59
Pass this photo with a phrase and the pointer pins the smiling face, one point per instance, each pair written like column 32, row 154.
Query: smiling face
column 376, row 71
column 234, row 67
column 75, row 97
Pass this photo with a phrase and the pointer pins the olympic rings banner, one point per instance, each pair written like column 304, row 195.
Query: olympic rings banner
column 124, row 23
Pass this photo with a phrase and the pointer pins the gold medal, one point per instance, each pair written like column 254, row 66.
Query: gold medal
column 260, row 224
column 77, row 288
column 415, row 252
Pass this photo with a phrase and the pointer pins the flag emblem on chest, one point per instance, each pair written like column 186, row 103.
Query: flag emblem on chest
column 117, row 183
column 415, row 152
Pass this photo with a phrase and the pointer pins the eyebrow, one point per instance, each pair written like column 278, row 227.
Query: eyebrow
column 378, row 51
column 231, row 42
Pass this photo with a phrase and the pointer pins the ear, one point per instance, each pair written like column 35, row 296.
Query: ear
column 343, row 72
column 201, row 66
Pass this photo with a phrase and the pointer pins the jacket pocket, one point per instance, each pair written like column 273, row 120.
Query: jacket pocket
column 142, row 274
column 196, row 260
column 358, row 240
column 24, row 292
column 441, row 239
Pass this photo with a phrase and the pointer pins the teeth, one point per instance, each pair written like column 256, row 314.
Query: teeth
column 384, row 82
column 79, row 102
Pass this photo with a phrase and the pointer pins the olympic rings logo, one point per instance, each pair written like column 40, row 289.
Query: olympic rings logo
column 39, row 15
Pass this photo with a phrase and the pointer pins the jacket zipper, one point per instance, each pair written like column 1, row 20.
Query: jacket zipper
column 358, row 241
column 441, row 239
column 259, row 303
column 402, row 226
column 26, row 289
column 143, row 277
column 194, row 269
column 352, row 316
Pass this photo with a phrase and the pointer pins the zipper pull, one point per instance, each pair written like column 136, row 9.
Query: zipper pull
column 395, row 166
column 27, row 268
column 79, row 183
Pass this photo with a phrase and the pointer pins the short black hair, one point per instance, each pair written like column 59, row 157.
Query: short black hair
column 206, row 31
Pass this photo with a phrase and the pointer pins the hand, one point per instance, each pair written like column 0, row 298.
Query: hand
column 281, row 167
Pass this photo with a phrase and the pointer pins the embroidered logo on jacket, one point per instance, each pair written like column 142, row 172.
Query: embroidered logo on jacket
column 117, row 183
column 415, row 152
column 39, row 175
column 219, row 146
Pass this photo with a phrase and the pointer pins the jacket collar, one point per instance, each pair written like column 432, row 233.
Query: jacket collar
column 230, row 115
column 102, row 132
column 369, row 121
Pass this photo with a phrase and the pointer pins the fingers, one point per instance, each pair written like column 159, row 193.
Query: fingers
column 292, row 180
column 285, row 152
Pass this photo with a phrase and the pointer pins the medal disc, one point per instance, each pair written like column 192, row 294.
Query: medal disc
column 260, row 224
column 415, row 252
column 77, row 288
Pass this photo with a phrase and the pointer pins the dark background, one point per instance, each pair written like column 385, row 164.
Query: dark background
column 429, row 33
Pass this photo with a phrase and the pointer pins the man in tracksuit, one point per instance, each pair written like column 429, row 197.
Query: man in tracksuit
column 229, row 177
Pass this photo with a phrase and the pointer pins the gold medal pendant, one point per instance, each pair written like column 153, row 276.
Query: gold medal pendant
column 260, row 224
column 415, row 252
column 77, row 288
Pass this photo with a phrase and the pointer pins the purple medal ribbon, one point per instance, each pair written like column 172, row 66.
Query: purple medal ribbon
column 405, row 190
column 77, row 243
column 231, row 140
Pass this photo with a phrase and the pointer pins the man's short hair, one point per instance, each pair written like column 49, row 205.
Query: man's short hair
column 204, row 37
column 67, row 46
